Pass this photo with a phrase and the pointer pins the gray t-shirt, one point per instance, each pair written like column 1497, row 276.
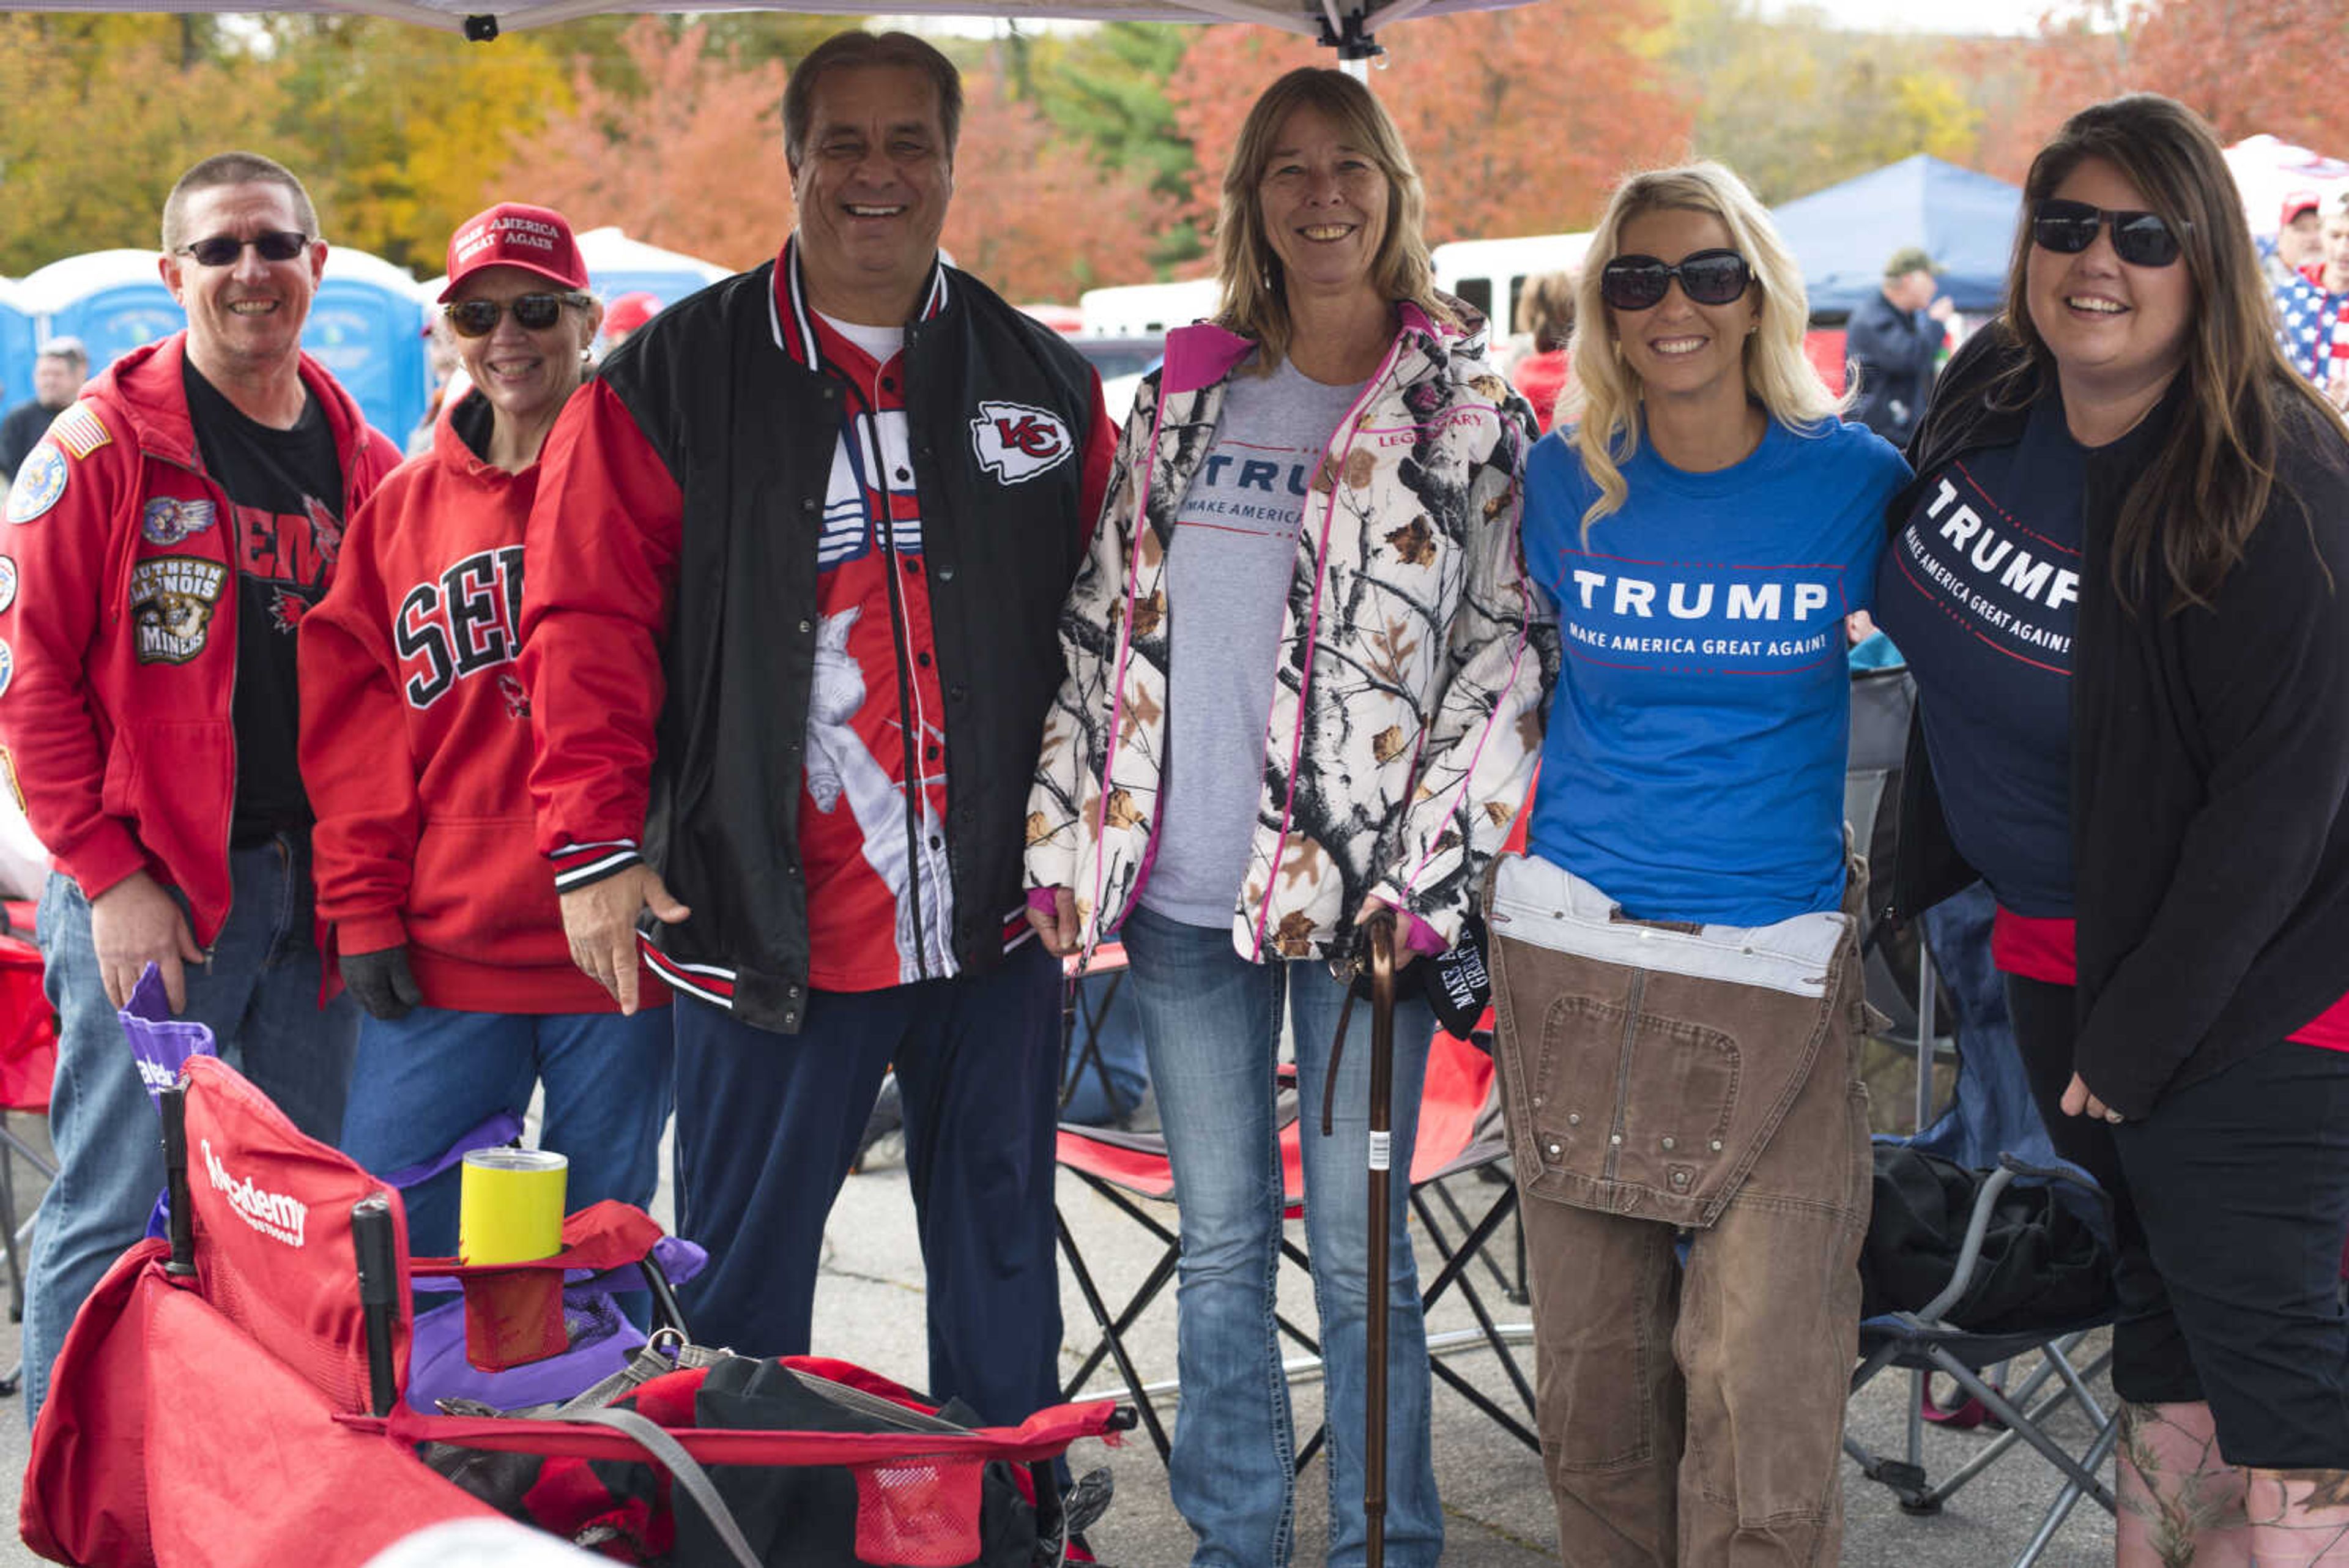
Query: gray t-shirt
column 1227, row 580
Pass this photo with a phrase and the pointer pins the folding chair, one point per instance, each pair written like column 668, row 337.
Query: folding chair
column 1927, row 1340
column 1088, row 1077
column 1130, row 1171
column 28, row 1060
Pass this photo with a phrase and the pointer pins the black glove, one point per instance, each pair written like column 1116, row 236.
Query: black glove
column 1454, row 982
column 381, row 982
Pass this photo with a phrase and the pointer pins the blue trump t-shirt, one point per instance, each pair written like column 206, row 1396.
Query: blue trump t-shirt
column 1693, row 765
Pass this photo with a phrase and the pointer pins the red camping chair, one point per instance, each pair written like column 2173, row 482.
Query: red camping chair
column 1130, row 1171
column 28, row 1060
column 212, row 1401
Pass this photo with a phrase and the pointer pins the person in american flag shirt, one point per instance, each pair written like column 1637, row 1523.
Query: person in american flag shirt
column 2312, row 311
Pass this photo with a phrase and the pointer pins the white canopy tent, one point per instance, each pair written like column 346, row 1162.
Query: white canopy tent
column 1345, row 25
column 2267, row 170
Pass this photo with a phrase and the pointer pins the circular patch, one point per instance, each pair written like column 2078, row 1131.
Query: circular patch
column 8, row 667
column 7, row 581
column 38, row 485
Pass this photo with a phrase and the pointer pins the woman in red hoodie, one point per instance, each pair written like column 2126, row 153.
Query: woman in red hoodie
column 416, row 746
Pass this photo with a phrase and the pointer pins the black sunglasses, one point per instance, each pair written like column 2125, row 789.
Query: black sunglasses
column 2140, row 239
column 221, row 249
column 532, row 312
column 1707, row 277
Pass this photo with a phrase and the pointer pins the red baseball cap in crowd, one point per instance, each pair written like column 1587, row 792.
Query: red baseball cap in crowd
column 535, row 239
column 2296, row 203
column 630, row 311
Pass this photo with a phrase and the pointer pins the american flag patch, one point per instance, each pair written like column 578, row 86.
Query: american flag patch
column 79, row 431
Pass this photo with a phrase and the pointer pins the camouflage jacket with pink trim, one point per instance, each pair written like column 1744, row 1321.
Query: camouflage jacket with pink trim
column 1416, row 655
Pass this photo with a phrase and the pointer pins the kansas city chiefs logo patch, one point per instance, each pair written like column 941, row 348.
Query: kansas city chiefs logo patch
column 1016, row 443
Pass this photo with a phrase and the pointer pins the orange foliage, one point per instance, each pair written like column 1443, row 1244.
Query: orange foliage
column 2246, row 66
column 1520, row 120
column 1034, row 217
column 696, row 164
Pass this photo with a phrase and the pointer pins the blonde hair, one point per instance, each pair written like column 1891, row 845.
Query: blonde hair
column 1606, row 405
column 1253, row 300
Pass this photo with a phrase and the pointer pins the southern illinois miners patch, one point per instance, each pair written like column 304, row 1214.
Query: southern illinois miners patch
column 172, row 603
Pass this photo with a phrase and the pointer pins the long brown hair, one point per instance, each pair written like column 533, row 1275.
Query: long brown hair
column 2202, row 494
column 1253, row 301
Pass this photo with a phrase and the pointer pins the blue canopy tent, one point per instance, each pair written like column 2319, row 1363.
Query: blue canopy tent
column 1844, row 234
column 365, row 325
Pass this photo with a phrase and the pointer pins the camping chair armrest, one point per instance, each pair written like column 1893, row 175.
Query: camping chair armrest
column 1977, row 1226
column 2022, row 1167
column 2010, row 1167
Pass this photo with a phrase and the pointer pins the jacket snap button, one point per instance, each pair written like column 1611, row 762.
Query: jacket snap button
column 807, row 625
column 1537, row 1099
column 793, row 993
column 1716, row 1146
column 1679, row 1178
column 807, row 504
column 1573, row 1119
column 1616, row 1138
column 1668, row 1143
column 1553, row 1150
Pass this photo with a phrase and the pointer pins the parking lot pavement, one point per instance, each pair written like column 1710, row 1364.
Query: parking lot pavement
column 870, row 1307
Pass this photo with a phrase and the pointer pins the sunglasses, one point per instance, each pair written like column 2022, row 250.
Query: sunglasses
column 221, row 249
column 2140, row 239
column 1707, row 277
column 532, row 313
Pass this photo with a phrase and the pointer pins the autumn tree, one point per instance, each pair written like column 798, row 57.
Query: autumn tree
column 1795, row 105
column 102, row 114
column 693, row 162
column 2246, row 66
column 388, row 123
column 1519, row 121
column 1106, row 89
column 1033, row 214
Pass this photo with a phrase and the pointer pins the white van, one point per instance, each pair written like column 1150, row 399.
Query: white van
column 1491, row 274
column 1145, row 309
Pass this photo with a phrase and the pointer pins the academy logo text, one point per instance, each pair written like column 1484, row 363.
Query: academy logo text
column 273, row 1214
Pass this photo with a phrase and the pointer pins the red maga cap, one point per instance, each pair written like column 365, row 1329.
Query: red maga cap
column 2298, row 201
column 536, row 239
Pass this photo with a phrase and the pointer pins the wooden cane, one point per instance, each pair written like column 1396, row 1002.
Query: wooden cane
column 1374, row 1392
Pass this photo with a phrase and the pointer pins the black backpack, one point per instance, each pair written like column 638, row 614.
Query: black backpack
column 2043, row 1266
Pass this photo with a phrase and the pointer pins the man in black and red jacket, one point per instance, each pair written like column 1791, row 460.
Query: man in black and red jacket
column 794, row 568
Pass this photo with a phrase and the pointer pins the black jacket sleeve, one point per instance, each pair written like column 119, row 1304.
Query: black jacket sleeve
column 2256, row 879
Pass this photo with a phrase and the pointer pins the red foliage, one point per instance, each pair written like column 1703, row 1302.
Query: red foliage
column 1519, row 121
column 1033, row 216
column 2246, row 66
column 696, row 164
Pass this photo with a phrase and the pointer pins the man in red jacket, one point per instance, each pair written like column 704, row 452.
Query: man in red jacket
column 165, row 538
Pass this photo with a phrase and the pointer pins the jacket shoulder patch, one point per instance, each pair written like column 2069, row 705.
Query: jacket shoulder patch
column 39, row 484
column 1017, row 441
column 79, row 429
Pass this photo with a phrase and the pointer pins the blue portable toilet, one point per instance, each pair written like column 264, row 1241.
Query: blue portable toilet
column 112, row 300
column 365, row 323
column 16, row 347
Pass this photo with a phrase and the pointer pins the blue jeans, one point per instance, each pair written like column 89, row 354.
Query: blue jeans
column 424, row 1081
column 1212, row 1022
column 259, row 996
